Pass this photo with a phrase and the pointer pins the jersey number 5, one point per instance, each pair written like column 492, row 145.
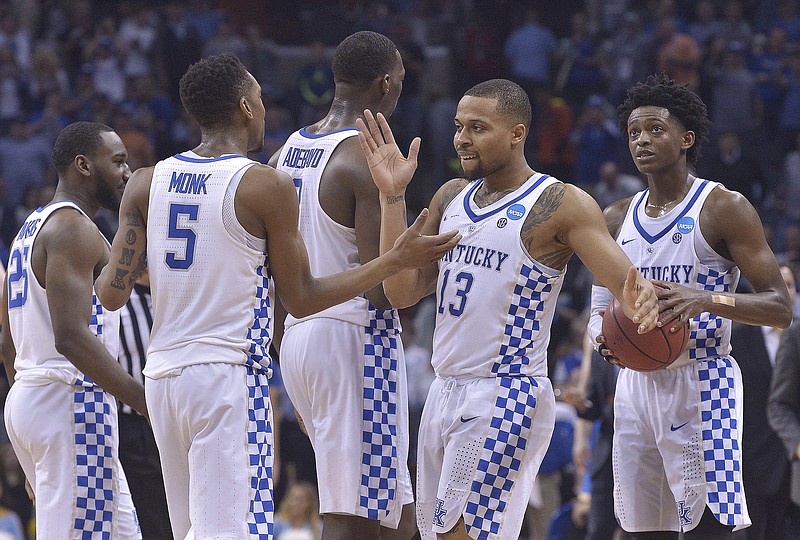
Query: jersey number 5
column 177, row 232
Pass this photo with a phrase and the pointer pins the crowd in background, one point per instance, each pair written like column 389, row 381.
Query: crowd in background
column 119, row 63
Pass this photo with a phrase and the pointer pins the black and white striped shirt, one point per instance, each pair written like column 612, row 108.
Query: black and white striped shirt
column 136, row 320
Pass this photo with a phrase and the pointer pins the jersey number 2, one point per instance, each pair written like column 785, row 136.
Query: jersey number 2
column 177, row 232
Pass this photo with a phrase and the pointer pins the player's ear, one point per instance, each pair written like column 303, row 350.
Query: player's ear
column 386, row 83
column 518, row 133
column 688, row 139
column 244, row 104
column 83, row 164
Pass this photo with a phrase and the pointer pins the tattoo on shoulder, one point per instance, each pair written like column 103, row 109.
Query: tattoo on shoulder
column 545, row 207
column 450, row 191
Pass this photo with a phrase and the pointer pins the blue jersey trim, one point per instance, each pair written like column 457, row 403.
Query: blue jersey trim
column 308, row 135
column 652, row 238
column 475, row 217
column 188, row 159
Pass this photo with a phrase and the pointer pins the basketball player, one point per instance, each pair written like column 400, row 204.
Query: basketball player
column 677, row 432
column 490, row 412
column 361, row 460
column 214, row 228
column 60, row 348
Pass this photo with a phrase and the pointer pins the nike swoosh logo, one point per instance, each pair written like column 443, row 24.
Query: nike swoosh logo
column 673, row 427
column 628, row 241
column 465, row 420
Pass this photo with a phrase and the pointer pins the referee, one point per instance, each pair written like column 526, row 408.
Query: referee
column 137, row 446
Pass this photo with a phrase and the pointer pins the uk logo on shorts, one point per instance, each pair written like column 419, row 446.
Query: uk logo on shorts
column 515, row 212
column 683, row 513
column 439, row 513
column 685, row 224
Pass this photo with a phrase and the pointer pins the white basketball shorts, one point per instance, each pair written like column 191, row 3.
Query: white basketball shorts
column 481, row 443
column 213, row 427
column 677, row 446
column 348, row 384
column 66, row 439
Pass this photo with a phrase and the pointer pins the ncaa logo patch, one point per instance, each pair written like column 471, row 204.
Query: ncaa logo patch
column 685, row 225
column 502, row 222
column 515, row 212
column 676, row 238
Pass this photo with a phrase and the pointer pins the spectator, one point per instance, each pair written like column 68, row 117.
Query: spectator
column 680, row 59
column 226, row 39
column 731, row 164
column 614, row 185
column 734, row 28
column 788, row 21
column 24, row 160
column 46, row 76
column 315, row 86
column 297, row 517
column 580, row 60
column 783, row 409
column 706, row 26
column 623, row 57
column 137, row 37
column 551, row 131
column 528, row 52
column 179, row 45
column 769, row 67
column 16, row 38
column 409, row 112
column 733, row 97
column 10, row 88
column 597, row 139
column 790, row 113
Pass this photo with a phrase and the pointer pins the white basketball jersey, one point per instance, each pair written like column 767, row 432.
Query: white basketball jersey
column 211, row 286
column 29, row 314
column 672, row 248
column 494, row 303
column 331, row 246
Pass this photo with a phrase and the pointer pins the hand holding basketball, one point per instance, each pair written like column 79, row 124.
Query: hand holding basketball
column 650, row 351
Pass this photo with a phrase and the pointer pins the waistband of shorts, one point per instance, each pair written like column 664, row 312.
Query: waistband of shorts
column 466, row 379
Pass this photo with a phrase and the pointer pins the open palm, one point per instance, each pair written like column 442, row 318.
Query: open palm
column 391, row 171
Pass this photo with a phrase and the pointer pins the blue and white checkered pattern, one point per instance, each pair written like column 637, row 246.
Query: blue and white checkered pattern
column 522, row 323
column 707, row 330
column 96, row 322
column 259, row 444
column 501, row 456
column 721, row 438
column 258, row 334
column 96, row 498
column 379, row 434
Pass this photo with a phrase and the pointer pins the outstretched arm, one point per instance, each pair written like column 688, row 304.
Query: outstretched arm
column 271, row 195
column 392, row 172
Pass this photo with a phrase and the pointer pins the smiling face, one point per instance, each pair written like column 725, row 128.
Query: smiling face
column 484, row 139
column 657, row 141
column 110, row 170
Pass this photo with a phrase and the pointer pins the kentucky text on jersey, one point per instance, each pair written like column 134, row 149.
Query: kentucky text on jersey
column 674, row 273
column 301, row 158
column 28, row 228
column 188, row 183
column 477, row 256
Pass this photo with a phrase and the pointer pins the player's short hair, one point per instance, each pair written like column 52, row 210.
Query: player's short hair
column 362, row 56
column 512, row 101
column 79, row 138
column 682, row 103
column 212, row 87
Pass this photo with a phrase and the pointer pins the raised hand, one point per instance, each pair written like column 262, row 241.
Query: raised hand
column 391, row 171
column 416, row 250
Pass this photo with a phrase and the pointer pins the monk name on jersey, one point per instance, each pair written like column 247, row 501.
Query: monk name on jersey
column 477, row 256
column 185, row 182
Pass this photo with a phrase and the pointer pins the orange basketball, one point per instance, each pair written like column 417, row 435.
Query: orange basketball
column 650, row 351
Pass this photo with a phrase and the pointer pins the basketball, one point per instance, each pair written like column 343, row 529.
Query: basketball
column 650, row 351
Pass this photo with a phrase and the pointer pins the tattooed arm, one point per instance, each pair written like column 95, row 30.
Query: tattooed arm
column 128, row 260
column 566, row 219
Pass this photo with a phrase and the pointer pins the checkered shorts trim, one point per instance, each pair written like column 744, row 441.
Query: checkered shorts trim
column 706, row 338
column 259, row 446
column 522, row 323
column 501, row 457
column 97, row 496
column 258, row 335
column 720, row 432
column 96, row 323
column 379, row 432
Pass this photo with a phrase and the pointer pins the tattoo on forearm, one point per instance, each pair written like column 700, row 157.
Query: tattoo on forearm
column 138, row 271
column 130, row 236
column 394, row 199
column 127, row 256
column 117, row 282
column 133, row 219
